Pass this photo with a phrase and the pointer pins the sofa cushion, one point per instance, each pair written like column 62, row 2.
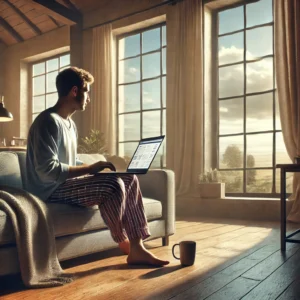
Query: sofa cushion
column 10, row 173
column 70, row 219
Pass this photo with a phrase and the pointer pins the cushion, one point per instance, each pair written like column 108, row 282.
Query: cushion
column 70, row 219
column 10, row 173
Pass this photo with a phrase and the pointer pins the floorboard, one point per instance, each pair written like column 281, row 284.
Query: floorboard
column 235, row 259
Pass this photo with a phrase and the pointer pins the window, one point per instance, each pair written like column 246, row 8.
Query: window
column 141, row 90
column 44, row 94
column 250, row 141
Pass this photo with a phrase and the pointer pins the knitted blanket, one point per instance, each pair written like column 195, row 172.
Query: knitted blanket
column 35, row 239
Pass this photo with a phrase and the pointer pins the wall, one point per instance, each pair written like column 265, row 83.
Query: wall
column 16, row 81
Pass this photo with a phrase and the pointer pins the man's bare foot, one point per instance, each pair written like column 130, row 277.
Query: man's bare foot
column 141, row 256
column 125, row 247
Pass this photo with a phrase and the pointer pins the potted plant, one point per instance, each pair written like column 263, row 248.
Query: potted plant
column 210, row 184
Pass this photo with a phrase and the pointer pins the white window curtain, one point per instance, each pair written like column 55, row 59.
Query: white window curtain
column 185, row 94
column 287, row 57
column 102, row 112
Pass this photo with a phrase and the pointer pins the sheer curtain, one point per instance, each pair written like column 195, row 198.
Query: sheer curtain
column 185, row 94
column 102, row 112
column 287, row 57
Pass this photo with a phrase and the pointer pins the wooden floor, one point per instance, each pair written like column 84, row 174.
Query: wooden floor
column 235, row 260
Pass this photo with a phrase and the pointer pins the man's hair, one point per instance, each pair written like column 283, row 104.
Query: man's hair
column 70, row 77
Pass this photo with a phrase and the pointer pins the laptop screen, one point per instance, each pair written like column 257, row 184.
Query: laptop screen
column 145, row 153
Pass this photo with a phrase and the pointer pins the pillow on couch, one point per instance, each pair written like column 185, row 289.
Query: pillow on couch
column 10, row 173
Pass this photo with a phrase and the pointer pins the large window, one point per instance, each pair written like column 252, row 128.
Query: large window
column 250, row 140
column 142, row 89
column 44, row 74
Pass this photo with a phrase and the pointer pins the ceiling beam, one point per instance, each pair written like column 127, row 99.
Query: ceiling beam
column 59, row 12
column 54, row 21
column 70, row 5
column 10, row 30
column 24, row 17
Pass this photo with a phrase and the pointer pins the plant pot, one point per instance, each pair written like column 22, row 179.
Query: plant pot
column 212, row 189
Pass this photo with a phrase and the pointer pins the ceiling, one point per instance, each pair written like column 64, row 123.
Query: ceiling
column 21, row 20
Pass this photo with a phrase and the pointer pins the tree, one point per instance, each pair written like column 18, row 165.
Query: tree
column 251, row 174
column 233, row 157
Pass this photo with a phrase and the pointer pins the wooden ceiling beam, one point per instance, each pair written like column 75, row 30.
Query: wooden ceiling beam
column 59, row 12
column 10, row 30
column 70, row 5
column 54, row 21
column 24, row 17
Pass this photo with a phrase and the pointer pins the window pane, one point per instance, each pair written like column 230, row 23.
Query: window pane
column 126, row 150
column 151, row 65
column 151, row 124
column 259, row 111
column 51, row 99
column 164, row 61
column 64, row 60
column 129, row 46
column 164, row 91
column 289, row 181
column 231, row 152
column 151, row 40
column 265, row 45
column 231, row 116
column 231, row 81
column 129, row 70
column 34, row 116
column 51, row 78
column 278, row 122
column 38, row 104
column 260, row 12
column 259, row 181
column 38, row 69
column 151, row 94
column 260, row 146
column 129, row 98
column 164, row 36
column 281, row 154
column 52, row 64
column 233, row 181
column 231, row 20
column 231, row 48
column 260, row 75
column 39, row 85
column 129, row 127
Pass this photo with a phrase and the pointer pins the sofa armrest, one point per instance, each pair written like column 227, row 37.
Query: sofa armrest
column 160, row 185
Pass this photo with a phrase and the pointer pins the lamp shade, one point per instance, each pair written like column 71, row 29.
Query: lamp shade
column 5, row 115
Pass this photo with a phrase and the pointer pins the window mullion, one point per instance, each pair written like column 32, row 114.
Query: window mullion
column 245, row 108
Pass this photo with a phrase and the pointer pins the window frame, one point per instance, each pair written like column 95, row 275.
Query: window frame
column 244, row 134
column 31, row 76
column 162, row 109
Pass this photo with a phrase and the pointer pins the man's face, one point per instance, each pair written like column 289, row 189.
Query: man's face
column 83, row 97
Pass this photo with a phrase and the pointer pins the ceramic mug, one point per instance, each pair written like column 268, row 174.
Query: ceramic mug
column 187, row 252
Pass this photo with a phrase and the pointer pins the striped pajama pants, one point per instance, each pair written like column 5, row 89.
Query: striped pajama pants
column 119, row 199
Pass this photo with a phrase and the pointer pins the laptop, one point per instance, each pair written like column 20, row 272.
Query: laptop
column 142, row 158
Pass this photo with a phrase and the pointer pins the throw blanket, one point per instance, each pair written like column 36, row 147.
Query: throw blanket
column 34, row 237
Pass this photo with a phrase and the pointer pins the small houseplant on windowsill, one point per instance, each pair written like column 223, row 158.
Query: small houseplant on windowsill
column 210, row 184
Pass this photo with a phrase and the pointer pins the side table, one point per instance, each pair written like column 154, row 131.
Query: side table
column 285, row 168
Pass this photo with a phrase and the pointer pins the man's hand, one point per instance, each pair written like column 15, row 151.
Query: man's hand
column 100, row 166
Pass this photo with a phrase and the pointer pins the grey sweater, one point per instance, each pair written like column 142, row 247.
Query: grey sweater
column 51, row 149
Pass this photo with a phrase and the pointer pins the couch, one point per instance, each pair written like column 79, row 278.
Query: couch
column 81, row 231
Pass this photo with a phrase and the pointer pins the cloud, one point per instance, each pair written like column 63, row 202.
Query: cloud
column 231, row 83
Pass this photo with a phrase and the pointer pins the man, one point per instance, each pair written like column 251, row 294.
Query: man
column 55, row 175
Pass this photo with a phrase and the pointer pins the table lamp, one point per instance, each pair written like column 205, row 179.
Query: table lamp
column 5, row 115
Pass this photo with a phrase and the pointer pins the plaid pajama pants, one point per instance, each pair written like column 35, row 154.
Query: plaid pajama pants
column 119, row 199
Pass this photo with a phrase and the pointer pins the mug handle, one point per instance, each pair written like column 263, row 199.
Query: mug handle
column 173, row 248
